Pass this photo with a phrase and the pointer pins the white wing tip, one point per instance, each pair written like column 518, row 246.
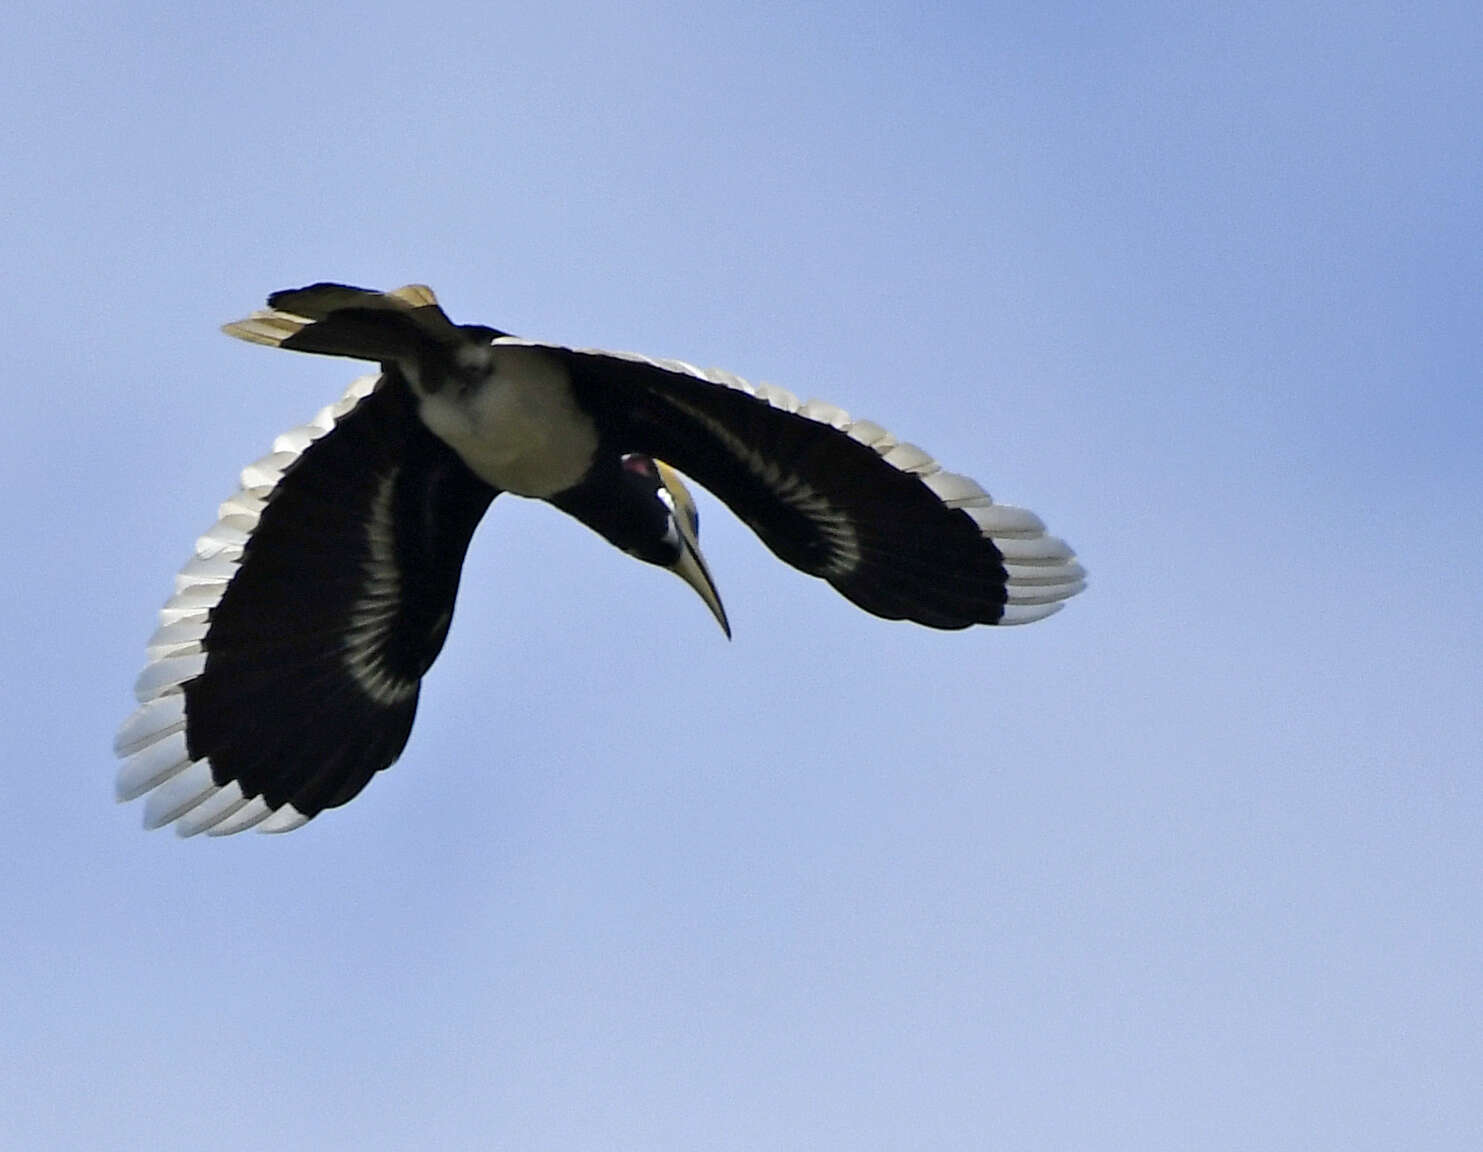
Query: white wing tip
column 178, row 795
column 250, row 815
column 211, row 812
column 1034, row 550
column 286, row 819
column 166, row 675
column 152, row 765
column 1028, row 613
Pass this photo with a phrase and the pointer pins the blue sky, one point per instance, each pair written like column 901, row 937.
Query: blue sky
column 1195, row 864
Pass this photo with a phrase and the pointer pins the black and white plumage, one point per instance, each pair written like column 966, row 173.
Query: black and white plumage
column 286, row 668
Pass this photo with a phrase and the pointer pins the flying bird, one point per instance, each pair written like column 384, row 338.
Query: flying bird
column 286, row 667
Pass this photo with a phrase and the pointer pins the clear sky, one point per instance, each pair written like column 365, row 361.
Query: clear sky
column 1196, row 864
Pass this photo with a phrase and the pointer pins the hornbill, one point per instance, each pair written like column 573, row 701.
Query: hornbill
column 286, row 668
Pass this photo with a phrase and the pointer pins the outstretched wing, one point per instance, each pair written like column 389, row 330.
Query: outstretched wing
column 838, row 498
column 286, row 668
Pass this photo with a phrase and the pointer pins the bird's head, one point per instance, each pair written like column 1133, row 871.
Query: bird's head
column 666, row 529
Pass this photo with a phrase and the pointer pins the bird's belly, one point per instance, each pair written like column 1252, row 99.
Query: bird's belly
column 521, row 430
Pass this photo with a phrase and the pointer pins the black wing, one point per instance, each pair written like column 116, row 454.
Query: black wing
column 838, row 498
column 286, row 669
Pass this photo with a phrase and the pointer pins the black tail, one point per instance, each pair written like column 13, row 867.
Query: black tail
column 405, row 327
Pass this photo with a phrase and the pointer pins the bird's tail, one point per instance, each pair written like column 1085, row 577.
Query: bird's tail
column 337, row 320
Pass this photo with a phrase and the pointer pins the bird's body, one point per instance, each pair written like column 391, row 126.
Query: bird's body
column 286, row 669
column 522, row 429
